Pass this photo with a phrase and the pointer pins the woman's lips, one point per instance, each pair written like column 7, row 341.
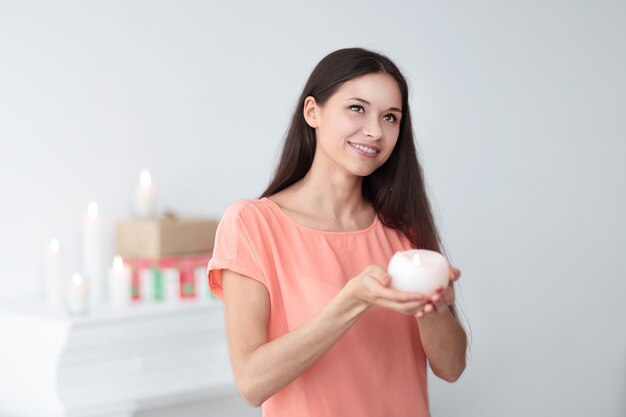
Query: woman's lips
column 369, row 151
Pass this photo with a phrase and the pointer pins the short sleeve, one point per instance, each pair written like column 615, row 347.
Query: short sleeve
column 236, row 248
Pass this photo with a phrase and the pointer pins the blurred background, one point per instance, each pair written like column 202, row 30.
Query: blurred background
column 519, row 116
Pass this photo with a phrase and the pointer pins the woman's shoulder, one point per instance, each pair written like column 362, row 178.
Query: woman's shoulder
column 247, row 210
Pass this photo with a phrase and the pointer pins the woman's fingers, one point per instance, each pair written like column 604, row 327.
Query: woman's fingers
column 402, row 302
column 380, row 292
column 454, row 274
column 409, row 308
column 375, row 281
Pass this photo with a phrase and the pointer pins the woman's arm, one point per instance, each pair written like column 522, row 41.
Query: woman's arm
column 443, row 338
column 262, row 368
column 445, row 344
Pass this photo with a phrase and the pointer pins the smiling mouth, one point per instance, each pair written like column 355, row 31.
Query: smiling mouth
column 364, row 148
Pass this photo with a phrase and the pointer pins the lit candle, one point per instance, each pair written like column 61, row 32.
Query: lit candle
column 145, row 196
column 419, row 271
column 54, row 275
column 93, row 259
column 120, row 283
column 77, row 294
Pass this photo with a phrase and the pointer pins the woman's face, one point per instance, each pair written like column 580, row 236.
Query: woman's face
column 358, row 127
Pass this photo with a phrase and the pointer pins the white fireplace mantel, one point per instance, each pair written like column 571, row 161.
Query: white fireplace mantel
column 111, row 363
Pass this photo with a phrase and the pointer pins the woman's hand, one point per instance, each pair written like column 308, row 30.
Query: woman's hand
column 441, row 301
column 371, row 287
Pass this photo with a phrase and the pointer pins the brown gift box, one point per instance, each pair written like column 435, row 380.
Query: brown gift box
column 159, row 238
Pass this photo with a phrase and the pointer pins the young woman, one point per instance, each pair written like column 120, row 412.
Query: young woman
column 313, row 327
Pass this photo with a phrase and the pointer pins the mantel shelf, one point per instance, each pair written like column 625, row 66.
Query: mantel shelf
column 111, row 362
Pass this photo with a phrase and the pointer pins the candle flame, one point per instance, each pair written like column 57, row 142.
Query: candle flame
column 55, row 246
column 416, row 260
column 118, row 263
column 77, row 279
column 145, row 179
column 92, row 210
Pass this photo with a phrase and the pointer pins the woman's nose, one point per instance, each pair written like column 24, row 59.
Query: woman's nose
column 372, row 128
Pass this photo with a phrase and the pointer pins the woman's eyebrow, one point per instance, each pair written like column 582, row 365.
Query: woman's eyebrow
column 369, row 104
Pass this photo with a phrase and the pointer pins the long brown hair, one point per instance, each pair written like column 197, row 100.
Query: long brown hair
column 396, row 189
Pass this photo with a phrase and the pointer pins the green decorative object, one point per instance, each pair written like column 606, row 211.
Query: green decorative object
column 158, row 284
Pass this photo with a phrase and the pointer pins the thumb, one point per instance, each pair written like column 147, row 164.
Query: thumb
column 385, row 280
column 379, row 275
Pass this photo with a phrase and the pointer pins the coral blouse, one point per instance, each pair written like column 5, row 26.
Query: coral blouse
column 378, row 368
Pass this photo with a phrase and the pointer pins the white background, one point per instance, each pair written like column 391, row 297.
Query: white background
column 519, row 110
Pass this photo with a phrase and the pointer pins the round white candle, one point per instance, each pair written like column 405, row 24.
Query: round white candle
column 77, row 294
column 144, row 198
column 120, row 276
column 93, row 255
column 418, row 270
column 54, row 274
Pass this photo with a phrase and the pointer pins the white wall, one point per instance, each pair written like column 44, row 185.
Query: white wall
column 519, row 109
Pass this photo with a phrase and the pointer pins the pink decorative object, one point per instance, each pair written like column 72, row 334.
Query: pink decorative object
column 159, row 273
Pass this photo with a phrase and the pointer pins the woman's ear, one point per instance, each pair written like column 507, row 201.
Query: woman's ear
column 311, row 109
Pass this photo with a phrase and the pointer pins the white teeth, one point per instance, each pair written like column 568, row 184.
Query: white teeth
column 364, row 148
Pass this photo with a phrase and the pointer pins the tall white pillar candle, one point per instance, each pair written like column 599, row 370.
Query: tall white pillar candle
column 419, row 271
column 77, row 294
column 120, row 276
column 144, row 198
column 54, row 275
column 93, row 256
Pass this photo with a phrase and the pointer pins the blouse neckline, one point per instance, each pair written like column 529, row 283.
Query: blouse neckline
column 277, row 209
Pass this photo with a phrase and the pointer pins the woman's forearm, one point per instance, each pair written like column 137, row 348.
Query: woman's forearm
column 277, row 363
column 445, row 344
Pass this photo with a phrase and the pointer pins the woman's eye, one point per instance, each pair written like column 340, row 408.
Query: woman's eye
column 390, row 118
column 357, row 108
